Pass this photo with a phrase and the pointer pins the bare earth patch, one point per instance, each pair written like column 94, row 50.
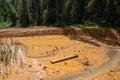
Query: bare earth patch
column 95, row 58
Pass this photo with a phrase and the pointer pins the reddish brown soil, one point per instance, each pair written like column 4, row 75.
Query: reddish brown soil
column 110, row 36
column 89, row 44
column 113, row 74
column 93, row 32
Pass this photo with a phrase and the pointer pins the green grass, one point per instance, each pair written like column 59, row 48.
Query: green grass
column 8, row 55
column 5, row 24
column 92, row 25
column 61, row 24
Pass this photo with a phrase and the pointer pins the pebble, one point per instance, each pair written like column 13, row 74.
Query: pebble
column 86, row 62
column 65, row 63
column 44, row 68
column 41, row 79
column 39, row 64
column 74, row 50
column 30, row 66
column 58, row 71
column 50, row 45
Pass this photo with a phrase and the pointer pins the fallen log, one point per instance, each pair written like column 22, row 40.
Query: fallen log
column 64, row 59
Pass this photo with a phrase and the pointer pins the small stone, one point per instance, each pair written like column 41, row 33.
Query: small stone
column 1, row 59
column 53, row 72
column 61, row 47
column 58, row 71
column 30, row 66
column 41, row 79
column 65, row 63
column 54, row 50
column 56, row 47
column 49, row 45
column 86, row 62
column 111, row 71
column 44, row 68
column 47, row 52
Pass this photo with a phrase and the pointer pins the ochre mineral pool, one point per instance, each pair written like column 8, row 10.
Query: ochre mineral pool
column 39, row 51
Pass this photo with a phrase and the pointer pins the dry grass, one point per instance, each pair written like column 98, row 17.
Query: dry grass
column 8, row 55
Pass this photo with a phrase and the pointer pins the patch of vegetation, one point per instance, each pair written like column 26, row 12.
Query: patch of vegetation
column 59, row 13
column 8, row 56
column 93, row 25
column 60, row 23
column 5, row 24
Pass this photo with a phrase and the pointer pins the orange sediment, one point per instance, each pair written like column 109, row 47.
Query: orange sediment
column 40, row 50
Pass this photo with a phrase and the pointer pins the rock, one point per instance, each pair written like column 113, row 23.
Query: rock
column 85, row 62
column 30, row 66
column 65, row 63
column 44, row 68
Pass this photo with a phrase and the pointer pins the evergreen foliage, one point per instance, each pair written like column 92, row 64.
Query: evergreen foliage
column 59, row 12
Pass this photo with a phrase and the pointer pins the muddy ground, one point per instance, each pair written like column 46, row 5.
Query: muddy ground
column 98, row 50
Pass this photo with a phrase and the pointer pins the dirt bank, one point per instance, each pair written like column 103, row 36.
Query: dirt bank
column 94, row 32
column 109, row 36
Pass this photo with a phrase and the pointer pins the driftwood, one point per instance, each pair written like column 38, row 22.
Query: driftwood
column 64, row 59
